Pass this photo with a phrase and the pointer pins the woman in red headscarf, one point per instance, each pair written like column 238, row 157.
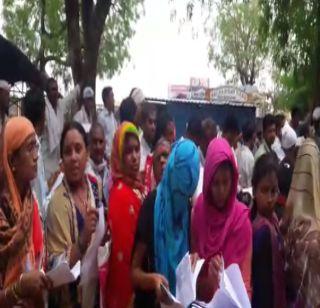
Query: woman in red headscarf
column 125, row 200
column 21, row 240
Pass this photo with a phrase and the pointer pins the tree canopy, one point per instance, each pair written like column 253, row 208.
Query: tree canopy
column 90, row 37
column 292, row 30
column 236, row 45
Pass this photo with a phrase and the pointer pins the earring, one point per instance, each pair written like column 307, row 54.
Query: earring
column 13, row 168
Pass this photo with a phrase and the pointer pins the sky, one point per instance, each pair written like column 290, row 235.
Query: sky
column 163, row 53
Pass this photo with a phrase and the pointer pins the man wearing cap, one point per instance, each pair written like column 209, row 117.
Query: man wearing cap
column 84, row 115
column 56, row 110
column 107, row 119
column 289, row 145
column 4, row 101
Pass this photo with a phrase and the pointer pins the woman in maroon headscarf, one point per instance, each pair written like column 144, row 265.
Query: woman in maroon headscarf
column 221, row 228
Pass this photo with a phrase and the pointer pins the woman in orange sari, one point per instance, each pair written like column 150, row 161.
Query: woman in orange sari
column 125, row 200
column 21, row 237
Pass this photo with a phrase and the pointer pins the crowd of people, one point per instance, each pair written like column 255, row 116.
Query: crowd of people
column 223, row 195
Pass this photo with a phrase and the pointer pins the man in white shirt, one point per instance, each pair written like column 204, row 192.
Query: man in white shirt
column 107, row 119
column 269, row 136
column 147, row 138
column 84, row 115
column 245, row 157
column 56, row 109
column 4, row 101
column 97, row 165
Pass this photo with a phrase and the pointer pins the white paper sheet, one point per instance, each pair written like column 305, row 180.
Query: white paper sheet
column 232, row 292
column 62, row 274
column 185, row 283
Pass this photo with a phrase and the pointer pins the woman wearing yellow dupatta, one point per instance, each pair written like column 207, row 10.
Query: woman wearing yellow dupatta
column 21, row 240
column 301, row 227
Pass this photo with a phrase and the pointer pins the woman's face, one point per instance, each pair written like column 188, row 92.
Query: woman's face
column 221, row 186
column 74, row 156
column 160, row 157
column 131, row 156
column 266, row 194
column 24, row 160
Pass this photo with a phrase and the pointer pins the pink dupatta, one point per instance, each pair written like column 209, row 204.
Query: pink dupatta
column 228, row 231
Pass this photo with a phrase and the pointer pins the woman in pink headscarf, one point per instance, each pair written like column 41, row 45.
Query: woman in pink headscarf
column 221, row 228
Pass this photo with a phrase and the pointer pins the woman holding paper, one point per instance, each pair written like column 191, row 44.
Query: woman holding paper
column 221, row 230
column 268, row 280
column 125, row 199
column 21, row 237
column 72, row 215
column 162, row 237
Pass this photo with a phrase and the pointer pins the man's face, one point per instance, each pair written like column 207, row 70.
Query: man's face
column 109, row 103
column 88, row 103
column 53, row 93
column 270, row 134
column 97, row 145
column 149, row 127
column 4, row 100
column 160, row 157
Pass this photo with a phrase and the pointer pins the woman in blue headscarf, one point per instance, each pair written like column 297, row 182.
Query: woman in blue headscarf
column 162, row 237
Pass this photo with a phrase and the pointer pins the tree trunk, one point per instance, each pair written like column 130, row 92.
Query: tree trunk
column 74, row 42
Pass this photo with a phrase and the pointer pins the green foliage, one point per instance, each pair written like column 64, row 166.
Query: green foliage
column 236, row 45
column 292, row 30
column 22, row 25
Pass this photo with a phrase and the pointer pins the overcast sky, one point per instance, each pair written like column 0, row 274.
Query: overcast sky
column 162, row 53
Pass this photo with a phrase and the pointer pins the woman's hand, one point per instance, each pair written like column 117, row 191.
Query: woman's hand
column 194, row 257
column 159, row 280
column 90, row 223
column 33, row 283
column 215, row 267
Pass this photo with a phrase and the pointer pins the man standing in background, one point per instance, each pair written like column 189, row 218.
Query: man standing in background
column 56, row 110
column 107, row 119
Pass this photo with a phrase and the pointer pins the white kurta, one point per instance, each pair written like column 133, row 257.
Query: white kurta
column 83, row 118
column 145, row 150
column 245, row 161
column 109, row 124
column 54, row 122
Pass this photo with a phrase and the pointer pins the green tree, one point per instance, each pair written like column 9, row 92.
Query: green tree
column 235, row 43
column 292, row 30
column 90, row 37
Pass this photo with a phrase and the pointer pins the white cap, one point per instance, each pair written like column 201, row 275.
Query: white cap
column 88, row 93
column 138, row 96
column 316, row 114
column 5, row 85
column 289, row 137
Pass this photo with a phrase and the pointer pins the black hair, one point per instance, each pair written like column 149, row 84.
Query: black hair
column 33, row 106
column 105, row 93
column 163, row 120
column 248, row 131
column 194, row 127
column 70, row 126
column 267, row 121
column 265, row 165
column 295, row 111
column 279, row 118
column 127, row 110
column 146, row 110
column 49, row 81
column 231, row 125
column 93, row 127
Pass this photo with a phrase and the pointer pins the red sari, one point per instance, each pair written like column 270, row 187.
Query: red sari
column 124, row 207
